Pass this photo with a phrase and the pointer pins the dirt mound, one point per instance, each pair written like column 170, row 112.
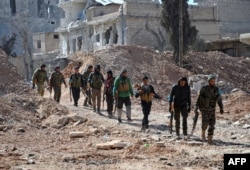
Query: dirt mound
column 234, row 70
column 139, row 61
column 19, row 104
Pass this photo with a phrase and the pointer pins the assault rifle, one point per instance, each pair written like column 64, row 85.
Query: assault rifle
column 195, row 118
column 70, row 94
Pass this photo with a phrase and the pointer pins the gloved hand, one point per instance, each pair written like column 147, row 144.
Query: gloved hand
column 221, row 111
column 33, row 86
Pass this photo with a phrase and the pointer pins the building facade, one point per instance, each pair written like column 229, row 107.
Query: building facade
column 93, row 26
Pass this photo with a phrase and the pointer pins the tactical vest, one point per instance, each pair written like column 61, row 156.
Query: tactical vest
column 75, row 80
column 123, row 85
column 209, row 97
column 147, row 94
column 96, row 81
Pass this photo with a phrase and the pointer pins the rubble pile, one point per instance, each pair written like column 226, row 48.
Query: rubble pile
column 139, row 61
column 19, row 104
column 234, row 71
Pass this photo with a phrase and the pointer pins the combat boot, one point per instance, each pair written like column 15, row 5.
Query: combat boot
column 203, row 136
column 210, row 139
column 98, row 110
column 85, row 103
column 94, row 109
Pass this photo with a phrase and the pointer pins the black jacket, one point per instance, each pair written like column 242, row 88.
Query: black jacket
column 181, row 96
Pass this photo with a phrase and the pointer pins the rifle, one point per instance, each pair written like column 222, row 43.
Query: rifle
column 116, row 100
column 195, row 118
column 171, row 122
column 70, row 94
column 103, row 99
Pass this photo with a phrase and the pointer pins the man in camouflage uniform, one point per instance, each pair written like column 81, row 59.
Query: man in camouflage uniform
column 39, row 77
column 75, row 82
column 208, row 97
column 56, row 80
column 85, row 75
column 96, row 80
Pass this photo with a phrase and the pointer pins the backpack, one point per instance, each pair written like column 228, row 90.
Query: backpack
column 96, row 81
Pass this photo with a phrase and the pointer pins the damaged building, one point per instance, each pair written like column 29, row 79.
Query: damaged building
column 93, row 25
column 221, row 23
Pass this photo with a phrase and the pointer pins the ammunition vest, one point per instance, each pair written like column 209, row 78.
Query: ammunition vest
column 147, row 94
column 96, row 81
column 76, row 80
column 123, row 85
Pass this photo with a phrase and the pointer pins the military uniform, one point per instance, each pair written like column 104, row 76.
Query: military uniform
column 206, row 102
column 88, row 97
column 39, row 77
column 76, row 82
column 56, row 80
column 96, row 80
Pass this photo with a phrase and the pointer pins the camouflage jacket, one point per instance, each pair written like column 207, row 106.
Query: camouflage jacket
column 56, row 79
column 39, row 76
column 208, row 97
column 85, row 77
column 76, row 80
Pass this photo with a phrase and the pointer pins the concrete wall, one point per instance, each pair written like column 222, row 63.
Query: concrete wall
column 233, row 16
column 206, row 21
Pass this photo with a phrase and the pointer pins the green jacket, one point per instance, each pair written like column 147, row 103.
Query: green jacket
column 85, row 77
column 208, row 97
column 56, row 79
column 123, row 87
column 39, row 76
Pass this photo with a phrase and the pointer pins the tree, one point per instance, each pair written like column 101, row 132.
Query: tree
column 170, row 21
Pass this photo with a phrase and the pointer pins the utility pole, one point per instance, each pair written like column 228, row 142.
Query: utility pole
column 122, row 24
column 180, row 32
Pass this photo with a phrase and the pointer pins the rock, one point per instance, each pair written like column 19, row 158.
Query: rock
column 155, row 138
column 69, row 158
column 235, row 89
column 116, row 144
column 194, row 143
column 76, row 134
column 31, row 161
column 76, row 118
column 63, row 121
column 94, row 130
column 20, row 130
column 246, row 126
column 234, row 137
column 78, row 123
column 246, row 152
column 144, row 139
column 236, row 123
column 160, row 144
column 116, row 132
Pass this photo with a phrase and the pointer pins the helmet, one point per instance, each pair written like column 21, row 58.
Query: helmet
column 210, row 77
